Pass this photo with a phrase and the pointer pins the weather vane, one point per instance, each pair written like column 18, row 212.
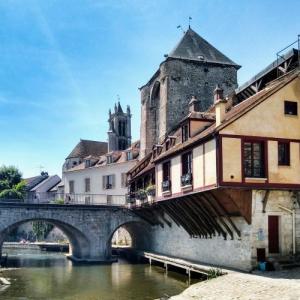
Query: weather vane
column 180, row 27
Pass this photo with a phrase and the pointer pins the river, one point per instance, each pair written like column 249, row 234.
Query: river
column 45, row 275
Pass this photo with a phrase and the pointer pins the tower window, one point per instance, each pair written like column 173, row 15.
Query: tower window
column 122, row 128
column 291, row 108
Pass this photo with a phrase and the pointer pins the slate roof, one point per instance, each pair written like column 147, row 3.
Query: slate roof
column 86, row 147
column 34, row 181
column 193, row 47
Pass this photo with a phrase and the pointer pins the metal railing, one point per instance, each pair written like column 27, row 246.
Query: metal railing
column 69, row 199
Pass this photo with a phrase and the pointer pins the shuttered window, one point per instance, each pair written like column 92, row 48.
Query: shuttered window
column 108, row 182
column 87, row 184
column 124, row 180
column 71, row 187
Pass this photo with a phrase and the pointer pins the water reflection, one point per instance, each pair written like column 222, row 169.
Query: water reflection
column 50, row 276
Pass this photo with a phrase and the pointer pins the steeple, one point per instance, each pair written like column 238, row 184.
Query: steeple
column 119, row 133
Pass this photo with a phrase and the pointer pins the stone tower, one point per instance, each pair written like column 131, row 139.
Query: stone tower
column 119, row 133
column 193, row 68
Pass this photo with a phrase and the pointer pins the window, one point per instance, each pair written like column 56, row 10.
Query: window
column 108, row 182
column 124, row 180
column 87, row 185
column 109, row 159
column 291, row 108
column 122, row 128
column 88, row 163
column 185, row 132
column 186, row 164
column 186, row 161
column 129, row 155
column 254, row 159
column 283, row 153
column 71, row 187
column 166, row 184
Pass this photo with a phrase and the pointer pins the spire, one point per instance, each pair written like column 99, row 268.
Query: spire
column 115, row 107
column 120, row 110
column 193, row 47
column 128, row 110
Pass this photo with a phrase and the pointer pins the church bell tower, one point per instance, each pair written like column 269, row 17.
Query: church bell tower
column 119, row 133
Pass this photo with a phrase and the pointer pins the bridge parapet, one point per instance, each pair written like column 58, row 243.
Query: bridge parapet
column 67, row 199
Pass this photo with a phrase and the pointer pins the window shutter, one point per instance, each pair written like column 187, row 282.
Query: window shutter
column 113, row 181
column 103, row 182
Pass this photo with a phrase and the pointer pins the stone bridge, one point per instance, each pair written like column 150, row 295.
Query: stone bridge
column 88, row 228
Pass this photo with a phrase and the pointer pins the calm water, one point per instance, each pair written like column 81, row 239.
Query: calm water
column 51, row 276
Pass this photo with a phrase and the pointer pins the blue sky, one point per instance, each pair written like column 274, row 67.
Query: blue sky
column 63, row 62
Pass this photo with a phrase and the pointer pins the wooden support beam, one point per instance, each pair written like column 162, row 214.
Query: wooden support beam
column 182, row 219
column 265, row 200
column 178, row 218
column 217, row 213
column 214, row 214
column 160, row 212
column 167, row 210
column 151, row 215
column 200, row 208
column 223, row 211
column 139, row 213
column 200, row 216
column 197, row 224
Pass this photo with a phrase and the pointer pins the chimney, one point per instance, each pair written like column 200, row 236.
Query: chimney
column 194, row 104
column 220, row 105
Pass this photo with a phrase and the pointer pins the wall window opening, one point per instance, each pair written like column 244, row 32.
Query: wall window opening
column 254, row 159
column 291, row 108
column 283, row 153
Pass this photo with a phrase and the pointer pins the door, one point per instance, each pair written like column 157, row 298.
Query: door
column 273, row 230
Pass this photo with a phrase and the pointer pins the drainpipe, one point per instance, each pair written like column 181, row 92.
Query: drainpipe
column 292, row 212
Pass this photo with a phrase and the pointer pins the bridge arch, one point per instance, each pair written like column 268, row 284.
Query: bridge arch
column 78, row 242
column 139, row 231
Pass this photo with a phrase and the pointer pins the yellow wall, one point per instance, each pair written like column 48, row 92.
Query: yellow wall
column 232, row 166
column 158, row 179
column 268, row 118
column 283, row 174
column 210, row 163
column 176, row 174
column 198, row 178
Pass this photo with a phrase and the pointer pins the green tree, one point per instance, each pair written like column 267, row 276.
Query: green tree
column 11, row 184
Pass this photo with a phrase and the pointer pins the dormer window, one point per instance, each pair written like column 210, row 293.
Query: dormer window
column 185, row 132
column 129, row 155
column 109, row 159
column 87, row 163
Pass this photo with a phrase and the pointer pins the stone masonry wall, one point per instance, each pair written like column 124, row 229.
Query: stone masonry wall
column 234, row 253
column 178, row 80
column 260, row 222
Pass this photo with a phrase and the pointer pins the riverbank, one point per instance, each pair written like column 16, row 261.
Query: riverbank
column 244, row 286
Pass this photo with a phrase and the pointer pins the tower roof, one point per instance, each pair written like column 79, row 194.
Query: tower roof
column 193, row 47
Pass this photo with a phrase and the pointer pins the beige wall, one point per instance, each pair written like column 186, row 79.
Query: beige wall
column 210, row 163
column 232, row 165
column 284, row 174
column 158, row 179
column 198, row 162
column 176, row 174
column 268, row 118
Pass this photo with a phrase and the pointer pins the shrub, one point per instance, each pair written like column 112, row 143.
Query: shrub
column 214, row 273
